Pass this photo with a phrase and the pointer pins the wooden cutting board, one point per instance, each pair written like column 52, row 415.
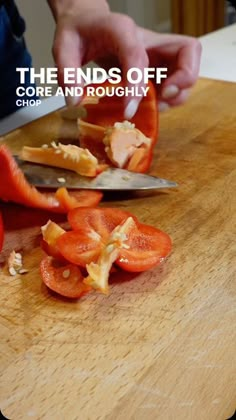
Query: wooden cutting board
column 162, row 345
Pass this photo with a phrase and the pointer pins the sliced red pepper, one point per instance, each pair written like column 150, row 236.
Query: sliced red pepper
column 70, row 200
column 92, row 228
column 66, row 280
column 15, row 188
column 87, row 245
column 110, row 110
column 1, row 232
column 80, row 247
column 102, row 220
column 148, row 246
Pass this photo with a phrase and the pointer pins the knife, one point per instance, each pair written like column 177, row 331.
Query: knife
column 112, row 179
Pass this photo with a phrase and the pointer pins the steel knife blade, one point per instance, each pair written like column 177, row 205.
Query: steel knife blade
column 112, row 179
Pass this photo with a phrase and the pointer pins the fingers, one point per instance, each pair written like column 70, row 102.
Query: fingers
column 67, row 53
column 131, row 54
column 135, row 58
column 181, row 55
column 177, row 100
column 120, row 37
column 185, row 74
column 117, row 35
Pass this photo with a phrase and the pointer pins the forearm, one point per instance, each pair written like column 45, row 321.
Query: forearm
column 66, row 7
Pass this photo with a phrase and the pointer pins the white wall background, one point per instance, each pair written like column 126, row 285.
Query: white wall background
column 40, row 29
column 152, row 14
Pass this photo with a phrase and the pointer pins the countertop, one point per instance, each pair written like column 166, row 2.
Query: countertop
column 162, row 344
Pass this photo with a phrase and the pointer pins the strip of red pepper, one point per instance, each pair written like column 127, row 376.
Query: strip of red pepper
column 15, row 188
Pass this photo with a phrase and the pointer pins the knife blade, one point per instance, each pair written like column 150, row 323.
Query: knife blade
column 112, row 179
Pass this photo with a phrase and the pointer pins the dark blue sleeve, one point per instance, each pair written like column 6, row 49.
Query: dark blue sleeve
column 13, row 53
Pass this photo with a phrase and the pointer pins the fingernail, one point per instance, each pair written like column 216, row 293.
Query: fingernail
column 71, row 100
column 131, row 109
column 163, row 106
column 170, row 92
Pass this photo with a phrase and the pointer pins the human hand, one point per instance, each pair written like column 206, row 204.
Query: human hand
column 181, row 55
column 102, row 36
column 94, row 33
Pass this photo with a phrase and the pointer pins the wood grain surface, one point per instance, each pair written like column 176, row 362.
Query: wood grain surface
column 162, row 345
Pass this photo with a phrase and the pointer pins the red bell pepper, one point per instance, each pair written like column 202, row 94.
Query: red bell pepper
column 15, row 188
column 103, row 236
column 1, row 232
column 90, row 232
column 92, row 228
column 110, row 110
column 66, row 280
